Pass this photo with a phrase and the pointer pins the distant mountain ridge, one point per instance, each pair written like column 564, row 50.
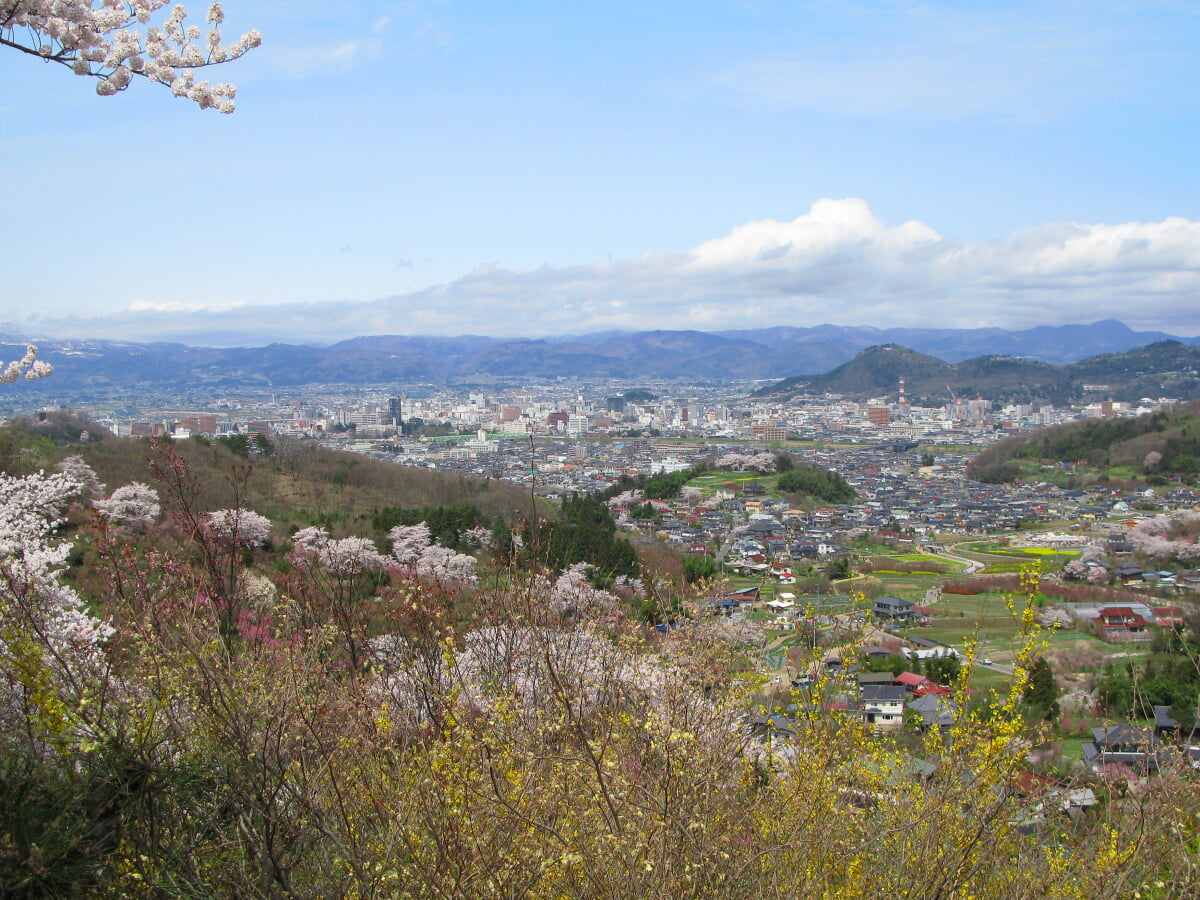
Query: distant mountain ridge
column 84, row 366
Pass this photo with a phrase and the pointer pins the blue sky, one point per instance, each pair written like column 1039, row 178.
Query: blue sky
column 530, row 168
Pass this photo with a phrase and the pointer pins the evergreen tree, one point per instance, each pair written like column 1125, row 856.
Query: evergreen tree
column 1041, row 691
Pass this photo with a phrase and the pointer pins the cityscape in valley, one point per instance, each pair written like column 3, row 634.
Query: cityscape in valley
column 700, row 478
column 741, row 450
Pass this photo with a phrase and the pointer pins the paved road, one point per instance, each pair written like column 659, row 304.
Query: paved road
column 969, row 566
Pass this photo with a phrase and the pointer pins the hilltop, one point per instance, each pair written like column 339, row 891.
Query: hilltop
column 1162, row 369
column 1153, row 448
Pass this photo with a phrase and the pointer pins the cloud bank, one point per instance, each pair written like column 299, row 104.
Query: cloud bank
column 836, row 264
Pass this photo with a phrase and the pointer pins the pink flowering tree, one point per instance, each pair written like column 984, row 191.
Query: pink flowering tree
column 742, row 462
column 1168, row 537
column 116, row 41
column 573, row 594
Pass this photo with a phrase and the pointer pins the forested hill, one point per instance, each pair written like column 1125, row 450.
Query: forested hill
column 1154, row 447
column 1162, row 369
column 290, row 482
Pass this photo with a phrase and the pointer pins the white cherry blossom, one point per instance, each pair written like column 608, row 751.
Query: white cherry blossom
column 106, row 39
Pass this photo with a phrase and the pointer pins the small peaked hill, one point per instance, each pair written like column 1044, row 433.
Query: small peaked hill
column 877, row 370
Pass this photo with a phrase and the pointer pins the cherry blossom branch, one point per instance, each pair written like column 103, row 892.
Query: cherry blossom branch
column 106, row 43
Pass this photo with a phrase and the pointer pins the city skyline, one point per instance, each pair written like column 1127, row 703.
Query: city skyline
column 450, row 168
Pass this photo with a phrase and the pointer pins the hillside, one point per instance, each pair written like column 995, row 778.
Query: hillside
column 1152, row 448
column 1162, row 369
column 295, row 483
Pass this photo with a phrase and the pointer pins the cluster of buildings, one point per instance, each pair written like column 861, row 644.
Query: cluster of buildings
column 603, row 409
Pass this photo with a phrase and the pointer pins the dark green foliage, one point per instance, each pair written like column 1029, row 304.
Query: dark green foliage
column 1041, row 691
column 587, row 533
column 943, row 669
column 23, row 452
column 698, row 568
column 892, row 662
column 58, row 825
column 817, row 482
column 1168, row 677
column 645, row 511
column 839, row 568
column 666, row 486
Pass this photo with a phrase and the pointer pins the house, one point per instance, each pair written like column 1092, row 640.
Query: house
column 1127, row 745
column 882, row 705
column 935, row 709
column 745, row 596
column 1167, row 729
column 1121, row 624
column 887, row 607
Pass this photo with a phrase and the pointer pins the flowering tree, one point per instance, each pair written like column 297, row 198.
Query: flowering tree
column 50, row 645
column 78, row 470
column 242, row 527
column 1167, row 537
column 134, row 504
column 413, row 546
column 113, row 41
column 345, row 557
column 740, row 462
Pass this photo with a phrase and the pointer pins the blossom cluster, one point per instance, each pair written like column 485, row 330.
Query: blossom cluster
column 48, row 639
column 135, row 504
column 573, row 593
column 114, row 41
column 29, row 366
column 341, row 556
column 76, row 468
column 239, row 526
column 413, row 547
column 1153, row 536
column 741, row 462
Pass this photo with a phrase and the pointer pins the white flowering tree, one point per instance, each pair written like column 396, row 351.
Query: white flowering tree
column 340, row 557
column 134, row 505
column 413, row 547
column 116, row 41
column 51, row 647
column 239, row 527
column 76, row 468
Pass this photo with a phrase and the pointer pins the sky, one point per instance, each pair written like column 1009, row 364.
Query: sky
column 536, row 169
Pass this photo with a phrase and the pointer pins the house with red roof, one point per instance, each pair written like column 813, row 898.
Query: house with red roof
column 1121, row 624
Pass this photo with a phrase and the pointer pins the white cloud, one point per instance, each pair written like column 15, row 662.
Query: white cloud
column 837, row 263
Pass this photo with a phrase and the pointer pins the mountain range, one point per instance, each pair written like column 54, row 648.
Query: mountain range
column 85, row 367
